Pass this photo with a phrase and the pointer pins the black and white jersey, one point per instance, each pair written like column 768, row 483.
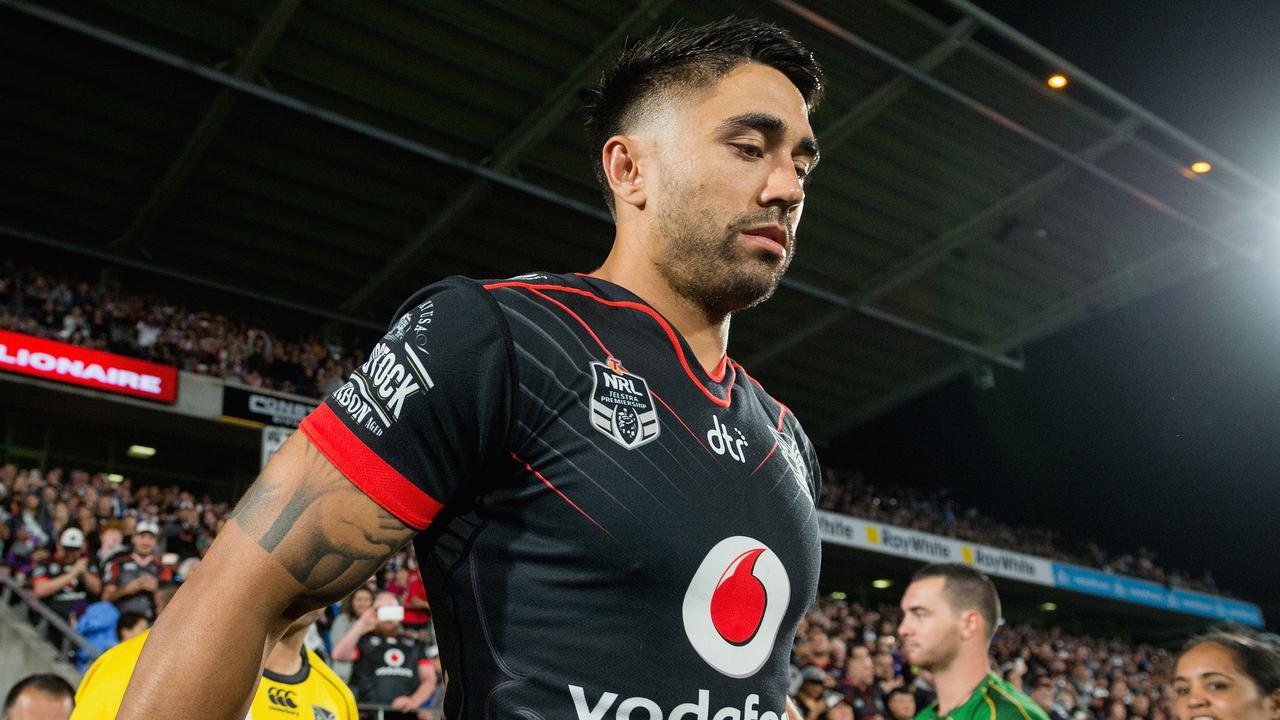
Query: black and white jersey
column 386, row 667
column 609, row 531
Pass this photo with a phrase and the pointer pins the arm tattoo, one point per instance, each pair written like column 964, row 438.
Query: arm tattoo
column 324, row 530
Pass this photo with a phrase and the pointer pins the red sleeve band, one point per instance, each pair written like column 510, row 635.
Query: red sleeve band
column 367, row 471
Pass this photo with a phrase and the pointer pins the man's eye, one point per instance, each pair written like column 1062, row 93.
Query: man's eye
column 802, row 172
column 750, row 151
column 1181, row 690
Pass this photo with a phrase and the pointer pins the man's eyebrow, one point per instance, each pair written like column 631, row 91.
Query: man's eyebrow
column 768, row 125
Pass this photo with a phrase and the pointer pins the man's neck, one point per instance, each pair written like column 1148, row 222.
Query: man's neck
column 956, row 683
column 286, row 656
column 707, row 335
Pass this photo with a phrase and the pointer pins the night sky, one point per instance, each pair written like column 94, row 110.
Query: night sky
column 1157, row 424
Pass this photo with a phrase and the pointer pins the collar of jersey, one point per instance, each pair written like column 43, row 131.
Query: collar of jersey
column 596, row 287
column 295, row 678
column 973, row 698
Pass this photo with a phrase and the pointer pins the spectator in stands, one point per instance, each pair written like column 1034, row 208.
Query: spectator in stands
column 353, row 606
column 130, row 625
column 886, row 672
column 417, row 612
column 860, row 688
column 40, row 697
column 810, row 699
column 182, row 531
column 391, row 667
column 131, row 580
column 66, row 582
column 1230, row 674
column 901, row 704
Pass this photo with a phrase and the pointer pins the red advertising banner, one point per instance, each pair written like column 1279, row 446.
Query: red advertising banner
column 95, row 369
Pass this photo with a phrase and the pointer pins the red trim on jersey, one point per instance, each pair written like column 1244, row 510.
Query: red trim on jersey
column 772, row 450
column 575, row 316
column 717, row 374
column 424, row 661
column 556, row 490
column 680, row 420
column 671, row 333
column 367, row 471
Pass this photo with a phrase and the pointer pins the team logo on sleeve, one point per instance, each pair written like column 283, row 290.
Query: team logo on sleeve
column 621, row 406
column 734, row 605
column 796, row 465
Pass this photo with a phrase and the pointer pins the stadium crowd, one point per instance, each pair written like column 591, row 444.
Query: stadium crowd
column 104, row 318
column 935, row 511
column 94, row 315
column 847, row 663
column 80, row 543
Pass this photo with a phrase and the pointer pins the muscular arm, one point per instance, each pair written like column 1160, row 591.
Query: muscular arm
column 303, row 536
column 344, row 650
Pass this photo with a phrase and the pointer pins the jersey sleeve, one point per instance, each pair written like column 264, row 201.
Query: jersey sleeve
column 415, row 423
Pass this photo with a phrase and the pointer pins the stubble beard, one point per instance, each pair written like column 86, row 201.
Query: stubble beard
column 936, row 659
column 706, row 265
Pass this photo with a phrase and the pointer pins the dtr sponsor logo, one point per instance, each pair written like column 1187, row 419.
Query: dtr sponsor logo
column 721, row 441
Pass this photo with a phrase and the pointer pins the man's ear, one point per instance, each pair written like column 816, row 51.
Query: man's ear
column 1272, row 705
column 971, row 623
column 621, row 157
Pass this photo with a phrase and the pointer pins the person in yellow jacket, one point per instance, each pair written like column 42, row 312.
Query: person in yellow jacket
column 296, row 684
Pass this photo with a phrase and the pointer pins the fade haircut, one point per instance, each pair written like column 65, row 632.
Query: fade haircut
column 1256, row 654
column 682, row 59
column 47, row 683
column 966, row 589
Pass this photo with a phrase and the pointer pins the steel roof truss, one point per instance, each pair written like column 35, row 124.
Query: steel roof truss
column 247, row 63
column 537, row 126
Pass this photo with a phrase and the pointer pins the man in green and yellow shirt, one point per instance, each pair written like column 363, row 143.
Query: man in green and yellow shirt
column 949, row 614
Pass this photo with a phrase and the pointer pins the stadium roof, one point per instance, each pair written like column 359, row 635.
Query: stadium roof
column 332, row 157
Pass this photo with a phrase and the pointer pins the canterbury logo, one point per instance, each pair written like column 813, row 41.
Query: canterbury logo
column 282, row 697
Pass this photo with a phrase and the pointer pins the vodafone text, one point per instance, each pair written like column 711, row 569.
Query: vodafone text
column 641, row 708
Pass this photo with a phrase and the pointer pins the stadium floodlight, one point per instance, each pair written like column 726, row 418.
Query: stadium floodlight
column 142, row 452
column 837, row 595
column 1057, row 81
column 114, row 478
column 882, row 584
column 1200, row 167
column 1049, row 606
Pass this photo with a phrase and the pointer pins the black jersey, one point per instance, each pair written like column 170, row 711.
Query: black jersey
column 386, row 667
column 609, row 530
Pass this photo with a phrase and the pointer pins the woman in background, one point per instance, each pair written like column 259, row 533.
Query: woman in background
column 354, row 604
column 1229, row 674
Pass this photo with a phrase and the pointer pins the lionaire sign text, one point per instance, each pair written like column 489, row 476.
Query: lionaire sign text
column 95, row 369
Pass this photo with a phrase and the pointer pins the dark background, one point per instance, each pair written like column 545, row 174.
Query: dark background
column 1157, row 425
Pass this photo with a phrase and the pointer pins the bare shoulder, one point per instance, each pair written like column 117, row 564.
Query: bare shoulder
column 320, row 527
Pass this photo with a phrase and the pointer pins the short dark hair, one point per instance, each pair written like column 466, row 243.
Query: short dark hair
column 1256, row 654
column 900, row 690
column 52, row 685
column 685, row 58
column 966, row 589
column 126, row 622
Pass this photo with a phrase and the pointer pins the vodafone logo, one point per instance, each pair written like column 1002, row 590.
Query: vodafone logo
column 734, row 605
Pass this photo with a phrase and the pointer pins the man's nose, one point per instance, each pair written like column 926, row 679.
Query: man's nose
column 785, row 188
